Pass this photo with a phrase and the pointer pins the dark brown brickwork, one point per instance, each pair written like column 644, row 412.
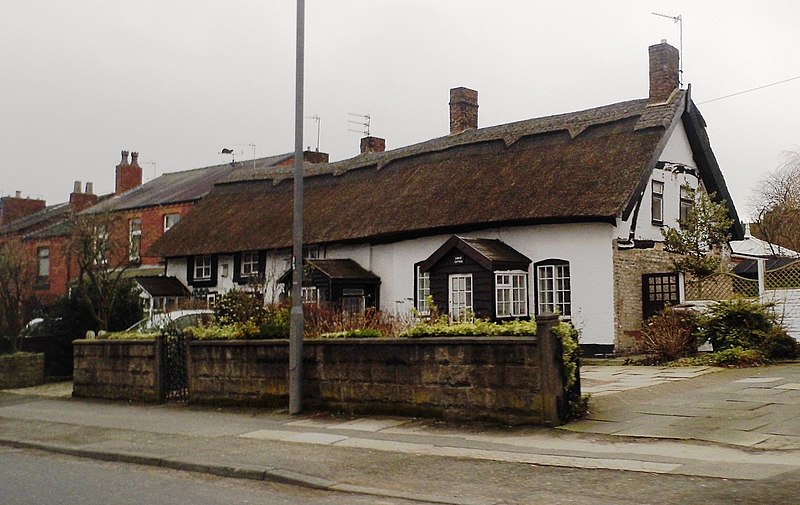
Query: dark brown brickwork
column 664, row 71
column 463, row 109
column 373, row 145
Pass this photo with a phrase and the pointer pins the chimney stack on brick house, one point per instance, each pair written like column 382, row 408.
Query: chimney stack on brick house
column 664, row 71
column 78, row 200
column 15, row 207
column 463, row 110
column 129, row 175
column 373, row 145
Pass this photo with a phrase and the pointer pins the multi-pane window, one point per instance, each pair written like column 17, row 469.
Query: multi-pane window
column 43, row 262
column 170, row 220
column 686, row 204
column 249, row 265
column 100, row 245
column 202, row 267
column 423, row 292
column 553, row 289
column 460, row 296
column 657, row 202
column 309, row 294
column 135, row 239
column 511, row 294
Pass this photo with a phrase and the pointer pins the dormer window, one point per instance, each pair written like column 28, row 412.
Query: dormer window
column 657, row 202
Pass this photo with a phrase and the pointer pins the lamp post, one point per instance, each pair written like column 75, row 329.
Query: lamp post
column 296, row 318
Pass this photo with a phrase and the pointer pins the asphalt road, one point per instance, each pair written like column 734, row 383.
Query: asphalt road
column 37, row 478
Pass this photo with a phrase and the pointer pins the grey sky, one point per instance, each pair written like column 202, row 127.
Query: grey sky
column 179, row 80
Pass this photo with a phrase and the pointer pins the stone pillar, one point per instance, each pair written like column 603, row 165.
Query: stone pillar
column 551, row 378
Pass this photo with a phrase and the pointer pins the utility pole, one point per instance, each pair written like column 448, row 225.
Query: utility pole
column 296, row 318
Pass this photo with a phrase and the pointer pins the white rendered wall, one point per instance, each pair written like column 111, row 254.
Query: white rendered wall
column 679, row 152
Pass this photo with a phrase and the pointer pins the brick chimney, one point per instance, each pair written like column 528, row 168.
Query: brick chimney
column 314, row 157
column 16, row 207
column 79, row 201
column 664, row 71
column 373, row 145
column 129, row 175
column 463, row 109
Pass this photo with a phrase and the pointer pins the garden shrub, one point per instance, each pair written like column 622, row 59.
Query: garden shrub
column 359, row 333
column 127, row 335
column 324, row 318
column 478, row 327
column 738, row 357
column 576, row 405
column 747, row 324
column 670, row 334
column 237, row 306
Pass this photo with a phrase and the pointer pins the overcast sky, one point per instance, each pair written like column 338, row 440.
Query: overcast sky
column 177, row 81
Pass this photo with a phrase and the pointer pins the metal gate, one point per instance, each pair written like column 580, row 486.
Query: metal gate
column 659, row 290
column 175, row 382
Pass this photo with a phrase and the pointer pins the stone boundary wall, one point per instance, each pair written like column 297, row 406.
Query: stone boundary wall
column 118, row 370
column 21, row 370
column 501, row 379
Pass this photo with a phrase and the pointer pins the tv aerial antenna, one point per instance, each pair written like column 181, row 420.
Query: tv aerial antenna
column 318, row 119
column 227, row 150
column 152, row 164
column 364, row 123
column 676, row 19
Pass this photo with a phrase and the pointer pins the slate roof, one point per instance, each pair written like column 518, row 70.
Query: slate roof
column 38, row 219
column 491, row 254
column 585, row 166
column 162, row 286
column 185, row 186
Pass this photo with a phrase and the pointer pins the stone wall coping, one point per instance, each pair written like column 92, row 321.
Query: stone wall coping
column 372, row 341
column 109, row 341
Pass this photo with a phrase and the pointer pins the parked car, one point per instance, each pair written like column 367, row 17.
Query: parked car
column 176, row 319
column 34, row 328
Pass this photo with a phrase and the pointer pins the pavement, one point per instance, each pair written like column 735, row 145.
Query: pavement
column 741, row 424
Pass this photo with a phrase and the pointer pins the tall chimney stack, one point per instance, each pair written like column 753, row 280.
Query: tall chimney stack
column 664, row 71
column 128, row 175
column 463, row 109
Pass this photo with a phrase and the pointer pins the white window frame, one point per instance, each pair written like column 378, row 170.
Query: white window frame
column 202, row 268
column 685, row 205
column 135, row 239
column 460, row 296
column 657, row 202
column 423, row 292
column 511, row 293
column 43, row 262
column 248, row 266
column 309, row 295
column 170, row 221
column 554, row 288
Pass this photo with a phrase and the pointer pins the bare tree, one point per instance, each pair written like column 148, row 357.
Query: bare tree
column 100, row 247
column 17, row 278
column 776, row 205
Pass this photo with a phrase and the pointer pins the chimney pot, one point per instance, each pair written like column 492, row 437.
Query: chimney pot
column 373, row 145
column 124, row 160
column 664, row 71
column 89, row 188
column 18, row 194
column 76, row 187
column 135, row 159
column 463, row 109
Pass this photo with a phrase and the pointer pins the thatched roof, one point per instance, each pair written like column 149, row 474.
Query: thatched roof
column 584, row 166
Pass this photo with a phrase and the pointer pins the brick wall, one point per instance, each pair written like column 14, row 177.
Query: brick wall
column 117, row 370
column 629, row 265
column 21, row 370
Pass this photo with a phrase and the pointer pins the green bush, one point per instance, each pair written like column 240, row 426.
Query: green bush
column 361, row 333
column 127, row 335
column 576, row 405
column 747, row 324
column 478, row 327
column 238, row 307
column 738, row 357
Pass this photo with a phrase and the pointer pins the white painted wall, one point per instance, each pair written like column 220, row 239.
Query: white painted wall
column 587, row 247
column 677, row 151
